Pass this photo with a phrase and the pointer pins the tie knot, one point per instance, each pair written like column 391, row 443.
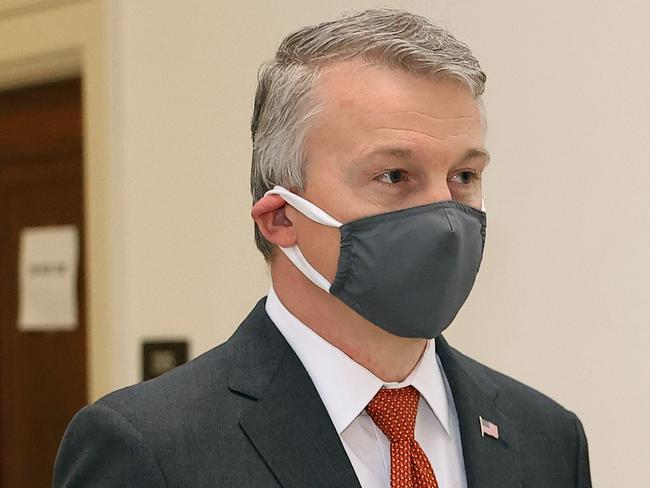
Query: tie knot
column 394, row 411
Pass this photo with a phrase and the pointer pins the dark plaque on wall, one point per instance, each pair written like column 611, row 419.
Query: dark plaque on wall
column 159, row 357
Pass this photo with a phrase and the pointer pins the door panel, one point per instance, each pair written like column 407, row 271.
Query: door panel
column 42, row 374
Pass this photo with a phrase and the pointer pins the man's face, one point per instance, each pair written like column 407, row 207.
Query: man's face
column 386, row 140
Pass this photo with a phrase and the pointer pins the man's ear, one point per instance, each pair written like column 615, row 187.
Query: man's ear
column 268, row 214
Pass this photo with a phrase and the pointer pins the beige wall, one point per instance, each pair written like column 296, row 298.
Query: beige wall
column 44, row 40
column 561, row 302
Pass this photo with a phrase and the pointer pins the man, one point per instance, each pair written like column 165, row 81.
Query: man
column 368, row 150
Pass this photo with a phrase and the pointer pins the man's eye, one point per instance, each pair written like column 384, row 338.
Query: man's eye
column 464, row 177
column 392, row 176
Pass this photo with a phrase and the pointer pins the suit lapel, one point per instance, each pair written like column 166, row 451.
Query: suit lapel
column 288, row 424
column 489, row 462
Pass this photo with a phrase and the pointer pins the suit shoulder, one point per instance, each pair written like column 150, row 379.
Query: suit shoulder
column 182, row 384
column 199, row 387
column 553, row 435
column 514, row 396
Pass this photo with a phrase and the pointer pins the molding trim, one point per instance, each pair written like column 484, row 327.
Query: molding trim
column 44, row 67
column 10, row 8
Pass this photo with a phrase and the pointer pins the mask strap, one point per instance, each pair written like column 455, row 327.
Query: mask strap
column 300, row 261
column 483, row 205
column 305, row 207
column 293, row 253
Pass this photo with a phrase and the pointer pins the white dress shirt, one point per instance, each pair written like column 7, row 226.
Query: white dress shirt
column 346, row 388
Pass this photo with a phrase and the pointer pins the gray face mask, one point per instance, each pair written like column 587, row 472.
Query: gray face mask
column 409, row 271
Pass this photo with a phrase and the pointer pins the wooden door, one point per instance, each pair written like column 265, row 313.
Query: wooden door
column 42, row 373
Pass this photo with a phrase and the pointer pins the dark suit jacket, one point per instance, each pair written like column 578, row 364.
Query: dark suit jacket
column 247, row 415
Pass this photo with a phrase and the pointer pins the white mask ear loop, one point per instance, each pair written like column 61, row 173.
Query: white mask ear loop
column 305, row 207
column 319, row 216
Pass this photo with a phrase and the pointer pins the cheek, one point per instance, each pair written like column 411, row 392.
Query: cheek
column 320, row 245
column 471, row 198
column 470, row 194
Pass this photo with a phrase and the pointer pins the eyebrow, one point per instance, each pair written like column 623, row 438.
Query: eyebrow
column 476, row 152
column 406, row 153
column 398, row 152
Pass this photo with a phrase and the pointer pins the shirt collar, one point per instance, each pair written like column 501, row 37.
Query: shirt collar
column 346, row 387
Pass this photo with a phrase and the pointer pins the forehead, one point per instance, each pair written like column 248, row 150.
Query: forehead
column 358, row 87
column 367, row 105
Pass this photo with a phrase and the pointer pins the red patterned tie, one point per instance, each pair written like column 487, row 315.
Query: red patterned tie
column 394, row 411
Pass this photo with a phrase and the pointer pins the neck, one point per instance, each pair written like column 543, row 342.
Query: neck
column 389, row 357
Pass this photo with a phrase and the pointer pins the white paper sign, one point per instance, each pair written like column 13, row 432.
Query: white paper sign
column 48, row 267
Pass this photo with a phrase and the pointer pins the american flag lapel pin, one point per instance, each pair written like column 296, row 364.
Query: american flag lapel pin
column 488, row 428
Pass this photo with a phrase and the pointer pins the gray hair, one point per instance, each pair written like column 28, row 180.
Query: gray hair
column 284, row 101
